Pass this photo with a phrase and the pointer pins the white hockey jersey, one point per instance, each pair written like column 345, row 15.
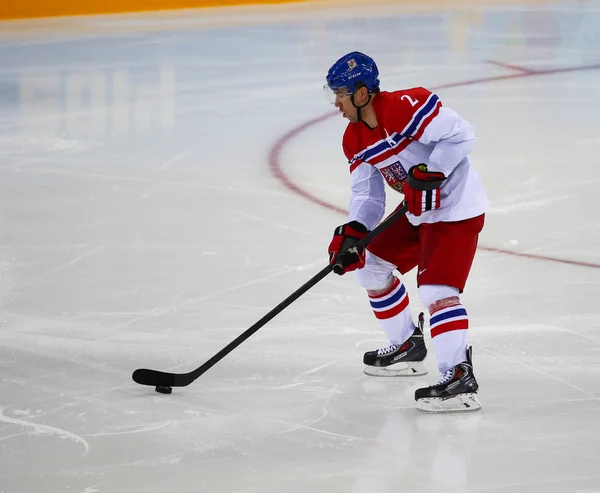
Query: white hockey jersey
column 412, row 128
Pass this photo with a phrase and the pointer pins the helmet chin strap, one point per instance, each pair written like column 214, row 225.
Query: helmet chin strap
column 359, row 108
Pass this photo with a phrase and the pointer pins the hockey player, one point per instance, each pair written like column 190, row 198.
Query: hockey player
column 420, row 148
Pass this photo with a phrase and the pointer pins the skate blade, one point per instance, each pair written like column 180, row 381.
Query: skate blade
column 411, row 369
column 462, row 403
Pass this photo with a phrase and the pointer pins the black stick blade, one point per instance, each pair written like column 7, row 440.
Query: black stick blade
column 154, row 378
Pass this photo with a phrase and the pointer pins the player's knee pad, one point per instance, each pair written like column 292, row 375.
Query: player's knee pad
column 433, row 294
column 376, row 274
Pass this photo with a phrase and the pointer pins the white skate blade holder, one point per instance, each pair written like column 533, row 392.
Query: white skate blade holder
column 462, row 403
column 408, row 369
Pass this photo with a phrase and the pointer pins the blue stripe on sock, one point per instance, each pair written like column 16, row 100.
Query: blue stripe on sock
column 389, row 301
column 436, row 319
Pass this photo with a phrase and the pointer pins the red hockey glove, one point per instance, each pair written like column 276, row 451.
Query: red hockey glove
column 422, row 189
column 343, row 255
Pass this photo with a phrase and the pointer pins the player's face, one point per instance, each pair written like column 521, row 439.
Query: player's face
column 343, row 101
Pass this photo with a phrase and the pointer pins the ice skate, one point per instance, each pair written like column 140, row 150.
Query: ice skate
column 455, row 392
column 399, row 360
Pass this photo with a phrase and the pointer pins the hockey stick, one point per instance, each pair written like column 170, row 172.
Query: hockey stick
column 165, row 379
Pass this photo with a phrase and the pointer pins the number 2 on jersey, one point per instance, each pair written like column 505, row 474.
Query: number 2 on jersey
column 410, row 100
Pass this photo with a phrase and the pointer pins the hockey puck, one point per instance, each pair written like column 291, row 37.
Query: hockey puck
column 163, row 389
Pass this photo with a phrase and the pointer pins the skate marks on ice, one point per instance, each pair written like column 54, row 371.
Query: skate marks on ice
column 538, row 370
column 40, row 430
column 132, row 429
column 173, row 308
column 318, row 368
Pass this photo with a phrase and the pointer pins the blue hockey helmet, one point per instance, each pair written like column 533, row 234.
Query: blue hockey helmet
column 353, row 68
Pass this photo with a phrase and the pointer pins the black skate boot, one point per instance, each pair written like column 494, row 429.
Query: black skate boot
column 399, row 360
column 455, row 392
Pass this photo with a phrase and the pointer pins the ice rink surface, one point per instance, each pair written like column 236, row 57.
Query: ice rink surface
column 166, row 180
